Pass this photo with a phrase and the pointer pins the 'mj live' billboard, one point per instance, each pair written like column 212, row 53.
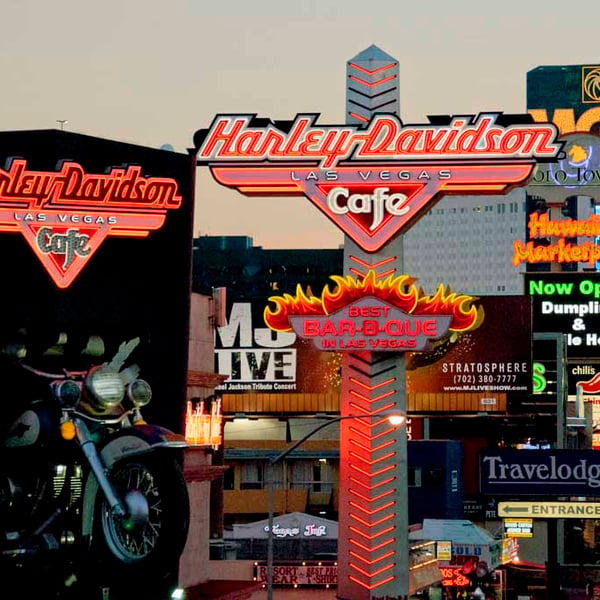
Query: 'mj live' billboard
column 95, row 237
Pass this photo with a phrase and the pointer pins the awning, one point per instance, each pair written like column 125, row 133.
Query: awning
column 294, row 525
column 467, row 539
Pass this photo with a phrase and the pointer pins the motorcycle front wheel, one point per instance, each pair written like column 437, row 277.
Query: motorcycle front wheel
column 157, row 483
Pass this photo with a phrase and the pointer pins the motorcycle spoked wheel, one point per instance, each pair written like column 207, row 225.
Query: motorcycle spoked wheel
column 162, row 537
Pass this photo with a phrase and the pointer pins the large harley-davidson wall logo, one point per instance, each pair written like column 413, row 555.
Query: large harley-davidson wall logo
column 374, row 181
column 66, row 215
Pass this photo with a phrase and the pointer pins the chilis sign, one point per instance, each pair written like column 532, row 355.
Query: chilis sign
column 66, row 215
column 374, row 181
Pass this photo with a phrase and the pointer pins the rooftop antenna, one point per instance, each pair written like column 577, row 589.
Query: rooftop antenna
column 62, row 123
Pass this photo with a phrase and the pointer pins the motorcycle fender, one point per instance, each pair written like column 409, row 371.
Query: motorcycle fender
column 133, row 441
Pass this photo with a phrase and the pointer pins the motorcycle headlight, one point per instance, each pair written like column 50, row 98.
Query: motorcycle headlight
column 139, row 392
column 105, row 388
column 67, row 392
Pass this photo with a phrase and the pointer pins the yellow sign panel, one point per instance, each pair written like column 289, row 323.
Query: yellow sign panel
column 444, row 550
column 550, row 510
column 518, row 527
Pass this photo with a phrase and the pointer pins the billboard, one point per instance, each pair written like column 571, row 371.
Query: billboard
column 494, row 357
column 96, row 239
column 567, row 95
column 256, row 359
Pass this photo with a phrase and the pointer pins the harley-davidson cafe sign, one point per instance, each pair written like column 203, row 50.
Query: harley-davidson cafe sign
column 66, row 214
column 374, row 181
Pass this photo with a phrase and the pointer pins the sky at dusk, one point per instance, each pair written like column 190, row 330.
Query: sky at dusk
column 153, row 72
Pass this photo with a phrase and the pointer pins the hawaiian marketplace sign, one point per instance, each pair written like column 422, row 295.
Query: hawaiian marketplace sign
column 370, row 314
column 375, row 180
column 66, row 214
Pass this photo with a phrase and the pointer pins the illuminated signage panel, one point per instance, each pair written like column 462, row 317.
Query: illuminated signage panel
column 567, row 95
column 370, row 314
column 539, row 473
column 256, row 359
column 567, row 303
column 492, row 357
column 374, row 180
column 66, row 215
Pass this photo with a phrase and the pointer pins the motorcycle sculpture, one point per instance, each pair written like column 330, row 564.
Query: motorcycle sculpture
column 82, row 471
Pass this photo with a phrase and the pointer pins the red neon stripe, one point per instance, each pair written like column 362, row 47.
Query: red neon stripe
column 375, row 448
column 373, row 561
column 372, row 387
column 371, row 587
column 374, row 498
column 376, row 398
column 371, row 512
column 370, row 537
column 372, row 462
column 372, row 83
column 372, row 437
column 372, row 548
column 370, row 400
column 473, row 186
column 359, row 117
column 372, row 487
column 268, row 188
column 384, row 470
column 379, row 275
column 375, row 523
column 372, row 72
column 374, row 573
column 374, row 265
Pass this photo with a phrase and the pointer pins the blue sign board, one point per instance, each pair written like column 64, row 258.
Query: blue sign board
column 540, row 473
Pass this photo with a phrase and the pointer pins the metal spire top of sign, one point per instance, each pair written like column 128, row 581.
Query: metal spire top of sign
column 372, row 85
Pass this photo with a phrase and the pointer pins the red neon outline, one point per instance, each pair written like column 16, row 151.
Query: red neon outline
column 370, row 561
column 374, row 265
column 372, row 462
column 373, row 486
column 374, row 412
column 375, row 449
column 371, row 587
column 379, row 275
column 374, row 399
column 372, row 72
column 366, row 386
column 373, row 548
column 372, row 512
column 371, row 84
column 374, row 498
column 359, row 117
column 459, row 187
column 274, row 189
column 374, row 573
column 372, row 437
column 384, row 470
column 375, row 535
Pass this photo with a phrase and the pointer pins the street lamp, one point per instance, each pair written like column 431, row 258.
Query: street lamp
column 394, row 417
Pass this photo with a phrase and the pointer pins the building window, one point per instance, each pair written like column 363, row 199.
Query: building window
column 251, row 476
column 414, row 476
column 229, row 479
